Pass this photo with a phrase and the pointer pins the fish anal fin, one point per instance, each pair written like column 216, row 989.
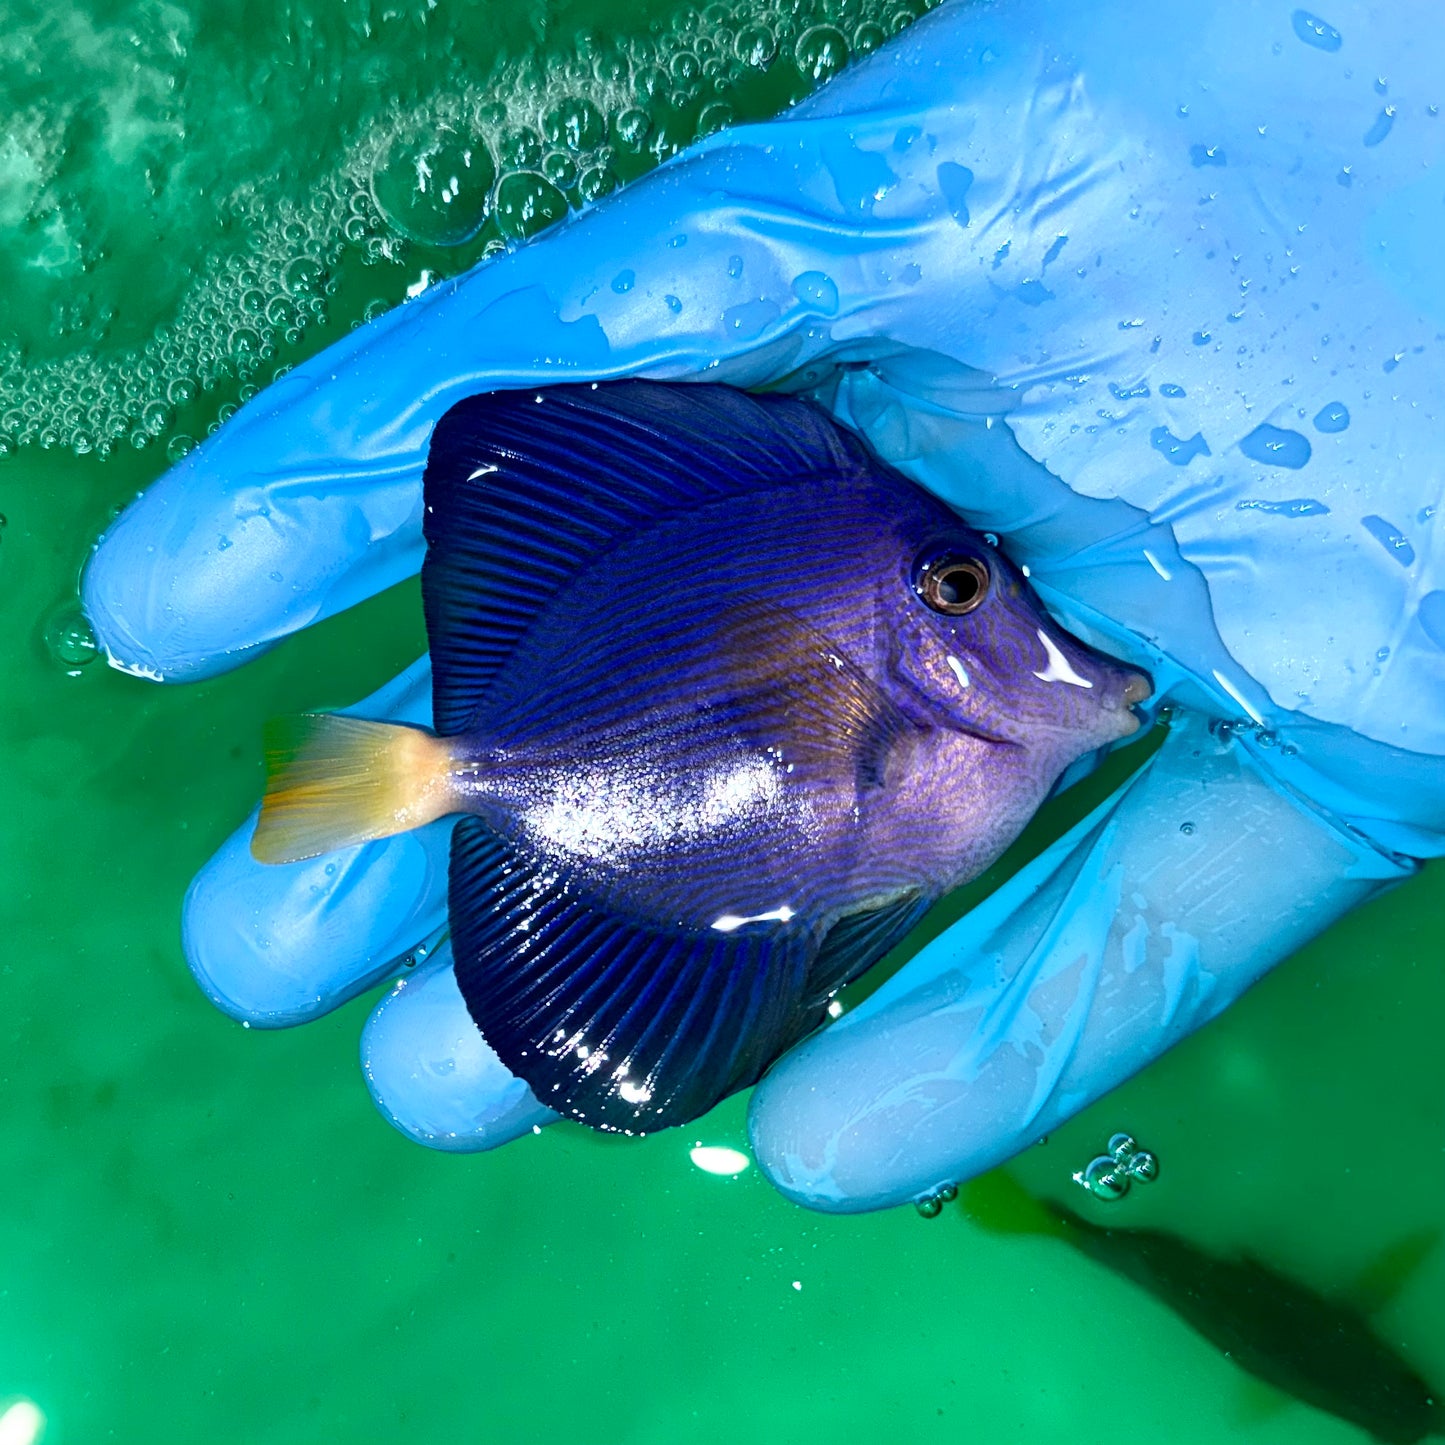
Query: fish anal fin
column 334, row 781
column 623, row 1024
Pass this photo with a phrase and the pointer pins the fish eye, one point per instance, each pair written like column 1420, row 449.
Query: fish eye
column 954, row 585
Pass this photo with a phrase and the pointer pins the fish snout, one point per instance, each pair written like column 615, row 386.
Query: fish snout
column 1137, row 687
column 1112, row 688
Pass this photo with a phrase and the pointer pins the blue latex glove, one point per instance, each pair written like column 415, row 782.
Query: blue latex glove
column 1157, row 295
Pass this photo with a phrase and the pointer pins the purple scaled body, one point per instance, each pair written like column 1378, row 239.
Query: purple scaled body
column 748, row 708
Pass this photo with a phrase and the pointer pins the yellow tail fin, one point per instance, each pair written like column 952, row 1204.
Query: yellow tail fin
column 334, row 781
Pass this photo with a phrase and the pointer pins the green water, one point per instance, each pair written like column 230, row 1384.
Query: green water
column 208, row 1234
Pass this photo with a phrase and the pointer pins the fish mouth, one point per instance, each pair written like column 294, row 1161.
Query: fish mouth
column 1138, row 687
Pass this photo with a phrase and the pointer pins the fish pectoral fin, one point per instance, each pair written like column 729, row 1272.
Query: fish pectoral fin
column 808, row 696
column 334, row 781
column 1388, row 1273
column 623, row 1025
column 997, row 1202
column 858, row 940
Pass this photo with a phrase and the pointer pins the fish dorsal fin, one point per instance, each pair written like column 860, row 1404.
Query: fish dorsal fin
column 625, row 1025
column 523, row 487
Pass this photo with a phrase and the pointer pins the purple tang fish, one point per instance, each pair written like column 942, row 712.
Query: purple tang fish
column 724, row 703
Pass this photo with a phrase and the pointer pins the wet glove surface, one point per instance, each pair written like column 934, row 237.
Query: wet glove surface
column 1167, row 329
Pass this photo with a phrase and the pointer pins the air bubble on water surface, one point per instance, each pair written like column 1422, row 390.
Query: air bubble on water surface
column 1104, row 1178
column 867, row 37
column 68, row 638
column 756, row 46
column 1108, row 1176
column 434, row 187
column 632, row 128
column 575, row 123
column 1143, row 1167
column 821, row 52
column 930, row 1205
column 684, row 68
column 715, row 117
column 527, row 203
column 479, row 164
column 595, row 183
column 560, row 169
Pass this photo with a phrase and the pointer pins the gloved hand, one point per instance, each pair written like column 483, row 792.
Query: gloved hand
column 1154, row 294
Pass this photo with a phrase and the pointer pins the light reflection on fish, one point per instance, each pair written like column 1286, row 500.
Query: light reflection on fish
column 725, row 704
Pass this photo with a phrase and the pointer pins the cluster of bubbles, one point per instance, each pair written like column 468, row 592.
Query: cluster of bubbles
column 930, row 1205
column 1226, row 729
column 477, row 166
column 229, row 324
column 1108, row 1176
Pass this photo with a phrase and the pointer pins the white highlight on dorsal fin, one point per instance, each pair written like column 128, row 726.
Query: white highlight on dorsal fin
column 483, row 471
column 1059, row 669
column 958, row 670
column 1158, row 566
column 731, row 922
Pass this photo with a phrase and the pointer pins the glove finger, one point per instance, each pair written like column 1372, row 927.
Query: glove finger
column 278, row 944
column 1137, row 927
column 433, row 1075
column 309, row 500
column 762, row 249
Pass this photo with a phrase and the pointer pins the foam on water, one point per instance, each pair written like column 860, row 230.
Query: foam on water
column 99, row 178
